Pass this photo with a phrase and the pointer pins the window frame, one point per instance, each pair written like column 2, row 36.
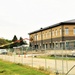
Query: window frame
column 74, row 30
column 66, row 30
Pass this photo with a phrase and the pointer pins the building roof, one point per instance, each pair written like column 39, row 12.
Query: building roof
column 70, row 21
column 55, row 25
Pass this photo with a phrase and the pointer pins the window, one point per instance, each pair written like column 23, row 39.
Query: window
column 50, row 33
column 37, row 36
column 66, row 31
column 53, row 33
column 74, row 44
column 50, row 45
column 43, row 45
column 40, row 36
column 46, row 46
column 74, row 31
column 60, row 31
column 67, row 44
column 56, row 32
column 46, row 34
column 43, row 35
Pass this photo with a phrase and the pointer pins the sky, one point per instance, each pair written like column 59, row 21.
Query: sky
column 20, row 17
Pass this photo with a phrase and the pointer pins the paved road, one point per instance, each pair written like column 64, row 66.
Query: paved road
column 38, row 62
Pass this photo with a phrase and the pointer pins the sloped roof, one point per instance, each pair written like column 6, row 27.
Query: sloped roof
column 55, row 25
column 70, row 21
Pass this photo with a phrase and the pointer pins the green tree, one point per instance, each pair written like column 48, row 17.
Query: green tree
column 15, row 40
column 8, row 40
column 22, row 42
column 3, row 41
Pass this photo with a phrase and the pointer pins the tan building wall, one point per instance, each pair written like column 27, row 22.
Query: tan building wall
column 70, row 27
column 56, row 32
column 46, row 34
column 57, row 36
column 54, row 37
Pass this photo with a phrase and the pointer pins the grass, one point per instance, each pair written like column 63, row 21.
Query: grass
column 57, row 57
column 8, row 68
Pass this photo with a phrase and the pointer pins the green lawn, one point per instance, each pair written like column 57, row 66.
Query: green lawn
column 8, row 68
column 58, row 58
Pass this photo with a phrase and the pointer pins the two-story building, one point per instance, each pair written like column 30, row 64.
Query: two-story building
column 57, row 36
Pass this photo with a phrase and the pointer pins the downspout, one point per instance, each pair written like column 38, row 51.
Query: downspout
column 51, row 39
column 36, row 41
column 41, row 40
column 63, row 36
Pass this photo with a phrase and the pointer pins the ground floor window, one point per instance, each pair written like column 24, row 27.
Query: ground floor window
column 74, row 44
column 46, row 46
column 49, row 45
column 67, row 45
column 43, row 45
column 56, row 45
column 52, row 46
column 61, row 45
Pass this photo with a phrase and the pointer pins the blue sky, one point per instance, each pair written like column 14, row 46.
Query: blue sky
column 20, row 17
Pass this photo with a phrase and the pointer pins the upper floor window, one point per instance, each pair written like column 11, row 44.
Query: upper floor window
column 56, row 32
column 43, row 35
column 66, row 31
column 50, row 33
column 40, row 36
column 74, row 31
column 60, row 31
column 46, row 34
column 53, row 32
column 37, row 36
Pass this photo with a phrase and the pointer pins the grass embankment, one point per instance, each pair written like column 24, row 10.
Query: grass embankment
column 8, row 68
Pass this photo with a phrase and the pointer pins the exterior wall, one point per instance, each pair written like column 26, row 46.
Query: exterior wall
column 70, row 35
column 39, row 36
column 53, row 37
column 58, row 32
column 70, row 27
column 46, row 34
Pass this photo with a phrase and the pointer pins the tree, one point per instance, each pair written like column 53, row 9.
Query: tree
column 8, row 40
column 3, row 42
column 31, row 41
column 15, row 40
column 22, row 42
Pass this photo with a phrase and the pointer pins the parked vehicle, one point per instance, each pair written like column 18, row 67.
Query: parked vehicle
column 3, row 51
column 73, row 52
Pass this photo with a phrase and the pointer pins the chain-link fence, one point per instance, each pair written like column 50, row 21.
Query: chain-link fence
column 58, row 61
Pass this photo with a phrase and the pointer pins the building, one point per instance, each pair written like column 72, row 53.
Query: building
column 57, row 36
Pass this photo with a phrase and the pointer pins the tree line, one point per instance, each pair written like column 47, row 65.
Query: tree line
column 8, row 43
